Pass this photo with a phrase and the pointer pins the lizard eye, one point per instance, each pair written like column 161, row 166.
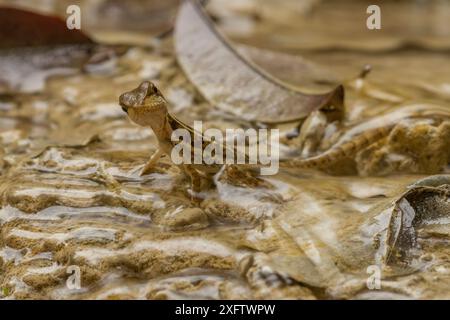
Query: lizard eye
column 152, row 89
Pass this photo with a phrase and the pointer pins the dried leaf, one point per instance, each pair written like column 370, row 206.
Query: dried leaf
column 21, row 28
column 235, row 84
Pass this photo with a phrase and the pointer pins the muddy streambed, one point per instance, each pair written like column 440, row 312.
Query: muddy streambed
column 71, row 193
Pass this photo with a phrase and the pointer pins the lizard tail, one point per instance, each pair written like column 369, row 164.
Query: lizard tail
column 339, row 151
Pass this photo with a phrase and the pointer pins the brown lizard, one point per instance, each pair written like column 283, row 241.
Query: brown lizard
column 146, row 106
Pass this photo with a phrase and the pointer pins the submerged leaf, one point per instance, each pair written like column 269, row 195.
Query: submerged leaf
column 235, row 84
column 422, row 207
column 292, row 69
column 34, row 47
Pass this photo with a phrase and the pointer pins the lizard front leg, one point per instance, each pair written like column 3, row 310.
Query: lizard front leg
column 196, row 178
column 153, row 160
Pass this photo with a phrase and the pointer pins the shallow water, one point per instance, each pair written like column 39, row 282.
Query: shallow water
column 72, row 194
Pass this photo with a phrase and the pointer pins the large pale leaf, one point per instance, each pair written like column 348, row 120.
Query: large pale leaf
column 235, row 84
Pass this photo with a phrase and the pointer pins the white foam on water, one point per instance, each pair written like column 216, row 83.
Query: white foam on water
column 170, row 247
column 79, row 234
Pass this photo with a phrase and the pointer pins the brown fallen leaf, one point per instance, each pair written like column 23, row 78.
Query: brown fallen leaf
column 236, row 85
column 21, row 28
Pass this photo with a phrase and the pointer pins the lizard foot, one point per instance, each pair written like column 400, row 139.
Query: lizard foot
column 146, row 170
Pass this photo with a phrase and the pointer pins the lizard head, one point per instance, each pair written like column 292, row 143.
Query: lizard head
column 144, row 105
